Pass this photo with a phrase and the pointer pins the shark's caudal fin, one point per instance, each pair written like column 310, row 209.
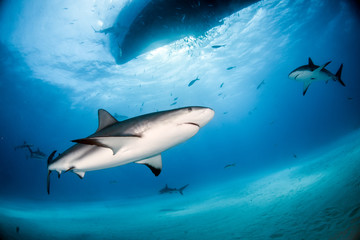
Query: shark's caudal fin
column 50, row 159
column 338, row 75
column 181, row 189
column 306, row 86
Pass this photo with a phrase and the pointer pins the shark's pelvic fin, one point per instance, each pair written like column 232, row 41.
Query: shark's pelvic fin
column 306, row 86
column 316, row 71
column 154, row 163
column 105, row 119
column 80, row 174
column 114, row 143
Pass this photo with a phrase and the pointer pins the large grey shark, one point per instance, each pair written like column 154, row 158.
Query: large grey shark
column 140, row 140
column 312, row 73
column 166, row 189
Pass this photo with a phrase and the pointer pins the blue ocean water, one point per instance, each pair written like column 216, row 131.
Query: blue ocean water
column 271, row 164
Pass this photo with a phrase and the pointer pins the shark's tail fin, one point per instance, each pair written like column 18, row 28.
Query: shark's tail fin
column 338, row 75
column 181, row 189
column 50, row 159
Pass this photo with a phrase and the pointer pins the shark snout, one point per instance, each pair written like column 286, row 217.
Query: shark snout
column 203, row 115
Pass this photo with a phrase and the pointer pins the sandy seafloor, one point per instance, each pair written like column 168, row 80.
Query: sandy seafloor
column 316, row 199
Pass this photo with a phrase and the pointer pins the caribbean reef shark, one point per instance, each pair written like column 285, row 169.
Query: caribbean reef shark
column 312, row 73
column 140, row 140
column 166, row 189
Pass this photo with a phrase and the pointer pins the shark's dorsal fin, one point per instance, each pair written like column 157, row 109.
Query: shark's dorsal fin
column 105, row 119
column 154, row 163
column 115, row 143
column 311, row 64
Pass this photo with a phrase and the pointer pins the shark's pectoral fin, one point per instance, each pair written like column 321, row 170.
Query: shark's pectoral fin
column 114, row 143
column 306, row 86
column 317, row 70
column 80, row 174
column 154, row 163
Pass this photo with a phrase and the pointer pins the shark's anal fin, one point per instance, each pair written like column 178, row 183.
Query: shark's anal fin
column 105, row 119
column 114, row 143
column 154, row 163
column 306, row 86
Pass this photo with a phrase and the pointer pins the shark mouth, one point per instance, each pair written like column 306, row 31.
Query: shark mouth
column 195, row 124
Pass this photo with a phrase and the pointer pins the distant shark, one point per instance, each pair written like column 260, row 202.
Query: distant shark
column 36, row 154
column 25, row 145
column 166, row 189
column 311, row 72
column 140, row 140
column 33, row 154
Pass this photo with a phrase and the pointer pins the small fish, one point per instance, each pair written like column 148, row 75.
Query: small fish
column 17, row 229
column 230, row 165
column 221, row 85
column 217, row 46
column 193, row 81
column 259, row 86
column 175, row 98
column 294, row 155
column 350, row 98
column 229, row 68
column 174, row 103
column 225, row 113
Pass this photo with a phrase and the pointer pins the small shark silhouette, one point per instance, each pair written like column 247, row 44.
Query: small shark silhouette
column 25, row 145
column 33, row 154
column 36, row 154
column 166, row 189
